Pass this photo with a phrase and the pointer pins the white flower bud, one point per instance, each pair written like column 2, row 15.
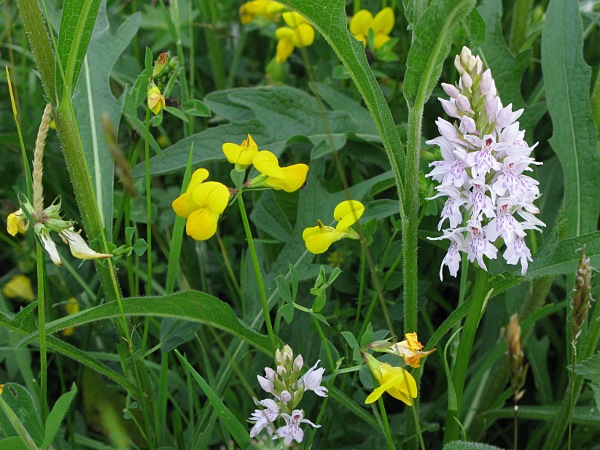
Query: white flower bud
column 450, row 89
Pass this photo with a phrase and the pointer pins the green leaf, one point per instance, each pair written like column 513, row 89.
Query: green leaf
column 507, row 69
column 268, row 217
column 283, row 288
column 195, row 107
column 57, row 415
column 13, row 443
column 98, row 111
column 19, row 400
column 567, row 81
column 464, row 445
column 189, row 305
column 590, row 368
column 433, row 36
column 76, row 25
column 177, row 113
column 229, row 421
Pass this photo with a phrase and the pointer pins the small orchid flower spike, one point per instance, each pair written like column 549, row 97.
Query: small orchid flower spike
column 202, row 204
column 318, row 239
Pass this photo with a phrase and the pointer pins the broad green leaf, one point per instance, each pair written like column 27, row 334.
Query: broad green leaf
column 57, row 415
column 189, row 305
column 567, row 82
column 268, row 217
column 229, row 421
column 329, row 18
column 507, row 69
column 433, row 36
column 98, row 111
column 255, row 111
column 26, row 411
column 76, row 25
column 196, row 108
column 13, row 443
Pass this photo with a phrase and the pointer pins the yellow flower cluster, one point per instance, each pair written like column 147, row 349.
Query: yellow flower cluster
column 319, row 238
column 260, row 8
column 203, row 202
column 382, row 25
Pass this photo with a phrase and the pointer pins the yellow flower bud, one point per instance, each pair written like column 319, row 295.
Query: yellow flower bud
column 16, row 223
column 156, row 102
column 19, row 286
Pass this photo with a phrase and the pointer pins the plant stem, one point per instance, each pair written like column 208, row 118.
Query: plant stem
column 518, row 30
column 460, row 369
column 257, row 272
column 148, row 201
column 386, row 424
column 41, row 307
column 325, row 343
column 361, row 287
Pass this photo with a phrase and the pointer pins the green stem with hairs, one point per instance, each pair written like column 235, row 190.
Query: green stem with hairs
column 41, row 307
column 463, row 355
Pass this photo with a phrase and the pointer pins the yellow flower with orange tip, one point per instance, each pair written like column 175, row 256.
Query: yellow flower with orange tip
column 394, row 380
column 382, row 25
column 19, row 286
column 72, row 307
column 299, row 33
column 289, row 179
column 201, row 204
column 410, row 350
column 318, row 239
column 17, row 223
column 241, row 155
column 263, row 8
column 156, row 101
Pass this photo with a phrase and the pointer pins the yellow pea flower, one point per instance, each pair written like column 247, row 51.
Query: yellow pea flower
column 202, row 204
column 395, row 381
column 156, row 101
column 19, row 286
column 72, row 307
column 410, row 350
column 289, row 178
column 263, row 8
column 16, row 223
column 318, row 239
column 382, row 25
column 241, row 155
column 299, row 33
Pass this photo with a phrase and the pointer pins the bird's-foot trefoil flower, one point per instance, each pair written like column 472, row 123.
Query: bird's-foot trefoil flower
column 287, row 387
column 241, row 155
column 17, row 223
column 156, row 101
column 288, row 179
column 318, row 239
column 202, row 204
column 410, row 350
column 381, row 26
column 268, row 9
column 72, row 307
column 396, row 381
column 298, row 33
column 482, row 172
column 19, row 286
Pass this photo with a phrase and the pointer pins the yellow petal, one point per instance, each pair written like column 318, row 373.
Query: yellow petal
column 156, row 101
column 17, row 223
column 293, row 19
column 211, row 195
column 361, row 22
column 397, row 382
column 380, row 40
column 241, row 154
column 293, row 178
column 19, row 286
column 318, row 239
column 383, row 21
column 347, row 213
column 184, row 205
column 304, row 35
column 285, row 47
column 202, row 224
column 198, row 177
column 72, row 306
column 267, row 163
column 413, row 341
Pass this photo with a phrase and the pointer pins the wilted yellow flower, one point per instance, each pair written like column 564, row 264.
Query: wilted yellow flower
column 410, row 350
column 72, row 307
column 241, row 155
column 318, row 239
column 16, row 223
column 78, row 246
column 299, row 33
column 289, row 178
column 264, row 8
column 156, row 101
column 382, row 25
column 202, row 204
column 19, row 286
